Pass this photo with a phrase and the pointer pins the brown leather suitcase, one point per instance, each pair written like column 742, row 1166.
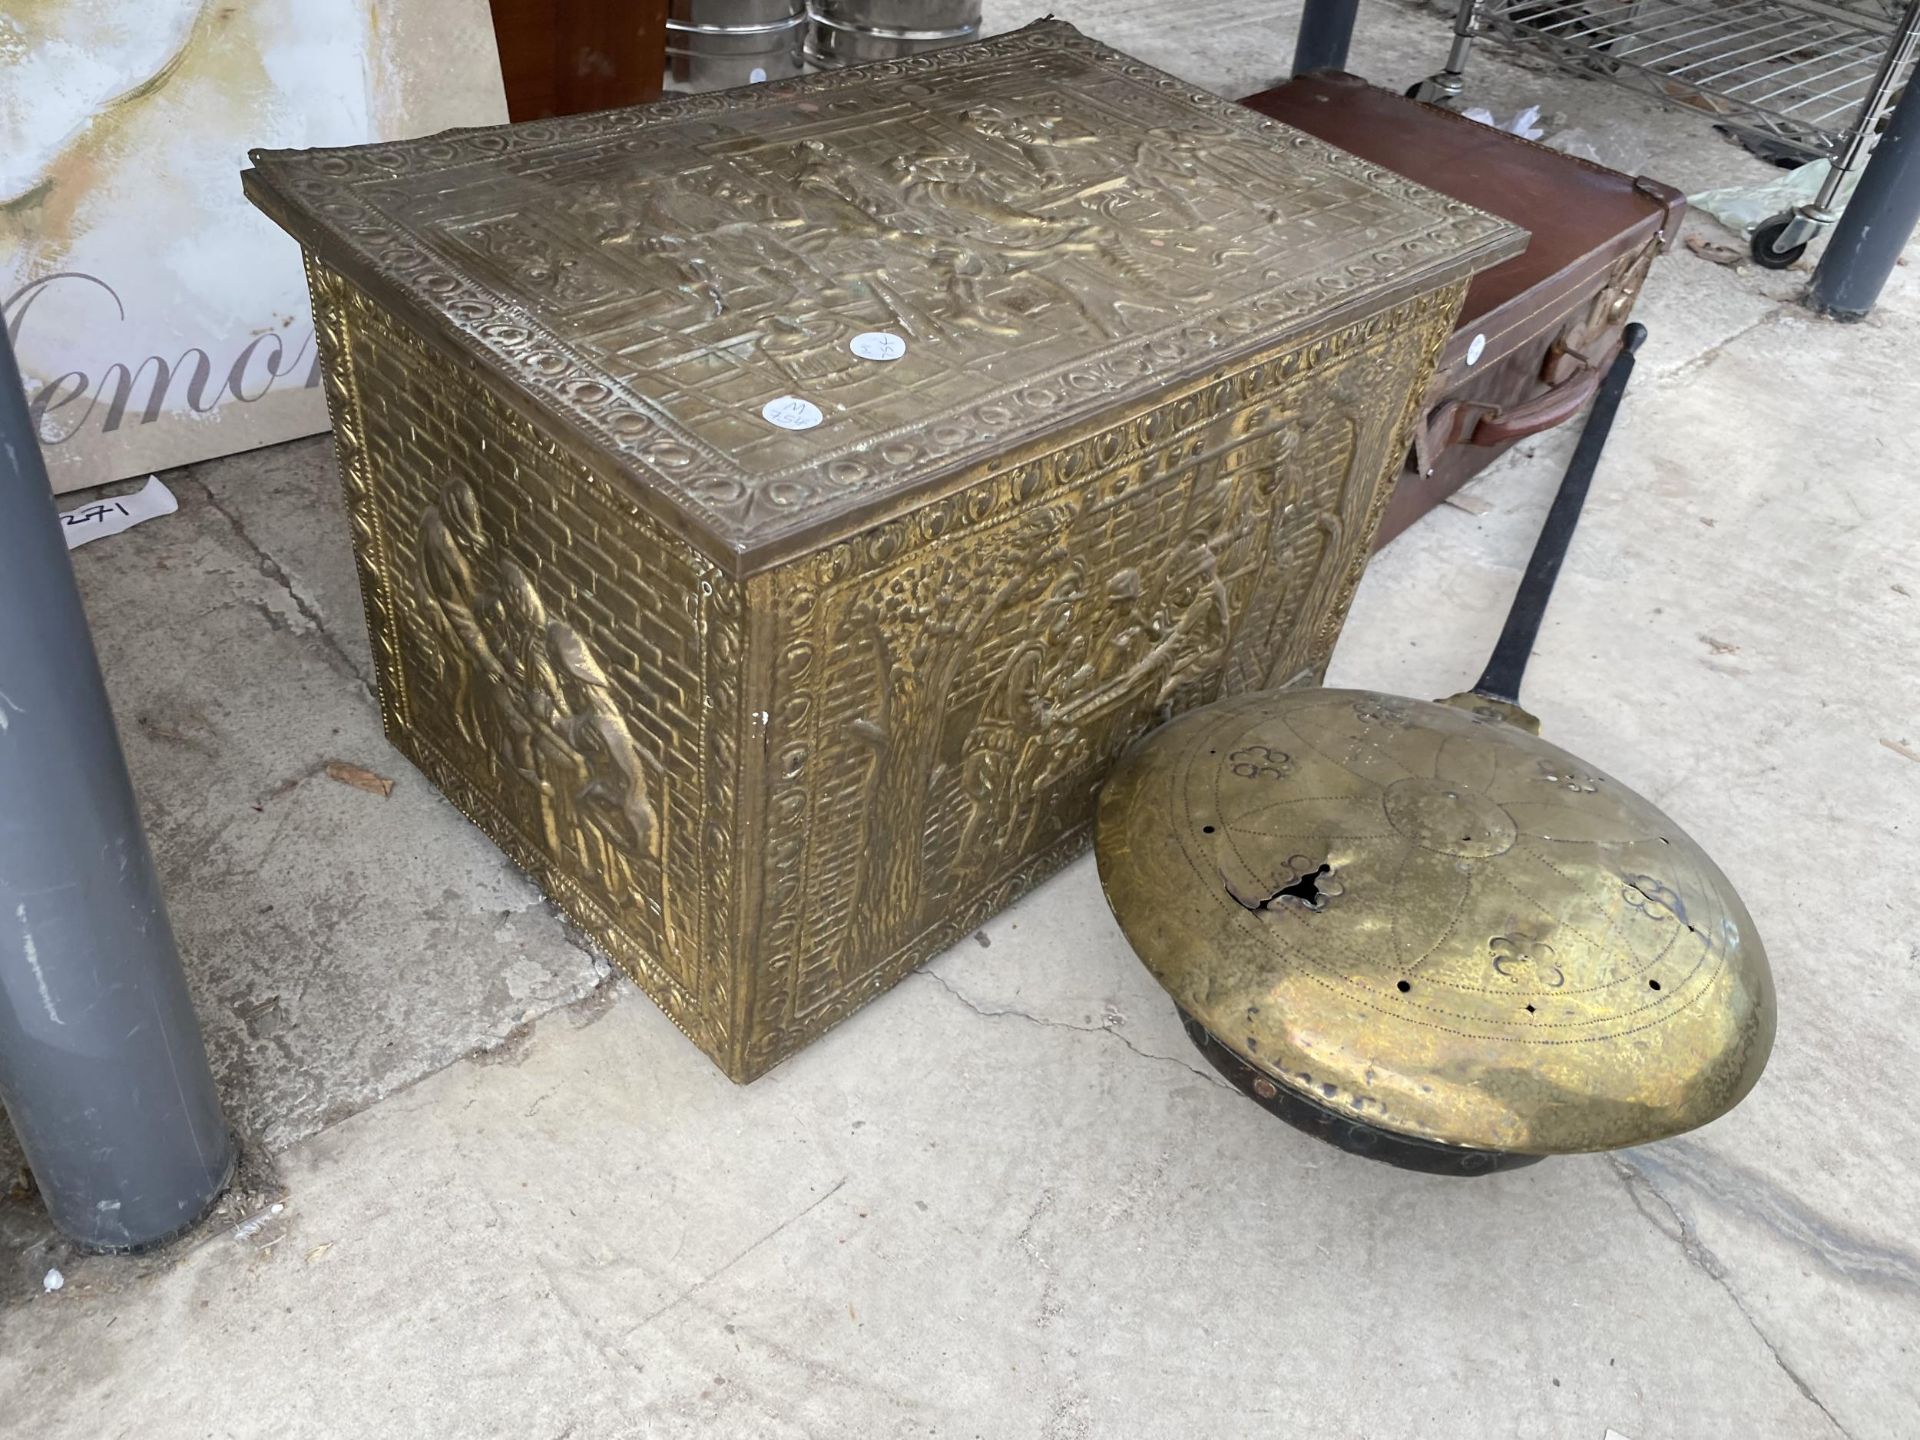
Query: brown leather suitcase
column 1536, row 333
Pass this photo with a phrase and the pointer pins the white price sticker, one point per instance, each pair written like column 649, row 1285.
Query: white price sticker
column 878, row 345
column 756, row 76
column 790, row 412
column 1476, row 348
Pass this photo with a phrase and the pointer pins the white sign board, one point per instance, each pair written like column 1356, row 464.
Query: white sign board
column 157, row 317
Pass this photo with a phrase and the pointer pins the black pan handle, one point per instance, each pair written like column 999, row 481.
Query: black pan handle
column 1508, row 664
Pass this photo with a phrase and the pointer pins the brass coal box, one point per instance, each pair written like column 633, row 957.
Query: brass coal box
column 781, row 663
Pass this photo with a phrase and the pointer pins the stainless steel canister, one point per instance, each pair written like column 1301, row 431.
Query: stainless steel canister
column 714, row 44
column 851, row 32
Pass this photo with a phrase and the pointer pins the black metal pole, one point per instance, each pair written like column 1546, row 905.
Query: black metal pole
column 1878, row 221
column 1508, row 665
column 1326, row 32
column 102, row 1068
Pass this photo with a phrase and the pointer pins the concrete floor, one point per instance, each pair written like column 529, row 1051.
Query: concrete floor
column 1008, row 1199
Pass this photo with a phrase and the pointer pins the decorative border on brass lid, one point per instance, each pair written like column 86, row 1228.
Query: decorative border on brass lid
column 314, row 194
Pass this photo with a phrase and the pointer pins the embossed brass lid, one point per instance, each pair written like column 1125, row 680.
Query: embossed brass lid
column 1425, row 933
column 1055, row 231
column 1506, row 949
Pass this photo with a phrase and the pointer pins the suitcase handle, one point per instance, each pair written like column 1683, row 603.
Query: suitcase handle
column 1472, row 422
column 1556, row 407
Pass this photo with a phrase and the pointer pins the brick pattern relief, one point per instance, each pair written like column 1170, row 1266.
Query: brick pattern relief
column 565, row 671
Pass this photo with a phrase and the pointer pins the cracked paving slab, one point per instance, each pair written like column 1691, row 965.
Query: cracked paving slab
column 1024, row 963
column 286, row 502
column 929, row 1223
column 1109, row 1027
column 1645, row 1195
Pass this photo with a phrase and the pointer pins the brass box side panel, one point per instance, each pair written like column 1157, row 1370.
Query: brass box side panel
column 567, row 672
column 952, row 686
column 1055, row 229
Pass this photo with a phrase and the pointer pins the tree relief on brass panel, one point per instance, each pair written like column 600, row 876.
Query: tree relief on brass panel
column 954, row 684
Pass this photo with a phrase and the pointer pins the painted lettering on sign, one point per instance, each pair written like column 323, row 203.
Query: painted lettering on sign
column 139, row 391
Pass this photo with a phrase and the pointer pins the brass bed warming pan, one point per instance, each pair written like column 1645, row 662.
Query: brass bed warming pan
column 1424, row 933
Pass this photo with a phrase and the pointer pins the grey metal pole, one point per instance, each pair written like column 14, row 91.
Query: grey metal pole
column 1326, row 31
column 1877, row 223
column 102, row 1068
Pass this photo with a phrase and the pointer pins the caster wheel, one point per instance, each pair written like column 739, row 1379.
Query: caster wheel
column 1764, row 239
column 1436, row 92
